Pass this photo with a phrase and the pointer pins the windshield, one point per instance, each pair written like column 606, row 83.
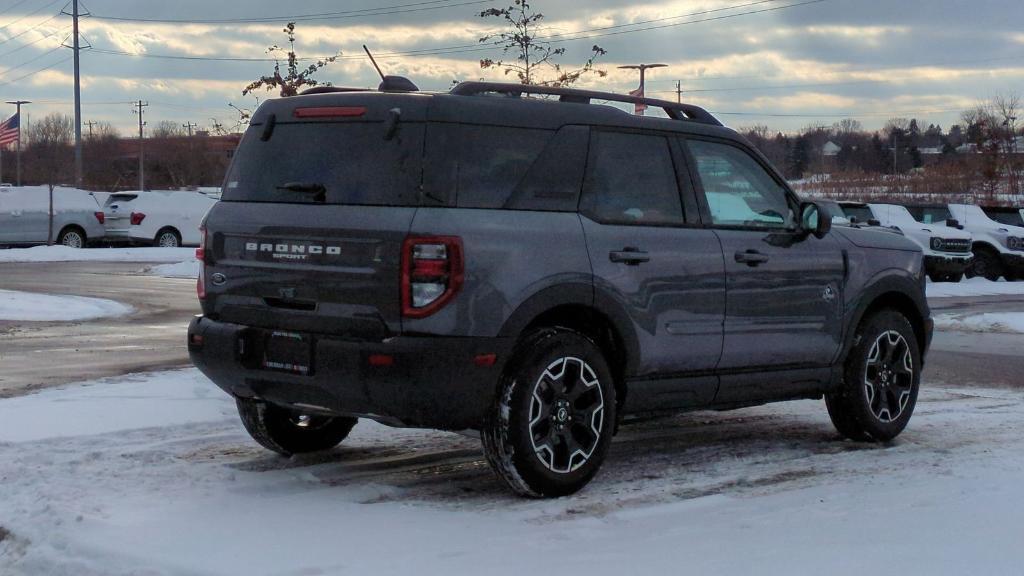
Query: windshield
column 859, row 213
column 352, row 163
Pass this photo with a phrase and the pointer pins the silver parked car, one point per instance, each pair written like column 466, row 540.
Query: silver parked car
column 24, row 216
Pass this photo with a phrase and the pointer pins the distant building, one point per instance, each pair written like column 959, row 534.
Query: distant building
column 831, row 149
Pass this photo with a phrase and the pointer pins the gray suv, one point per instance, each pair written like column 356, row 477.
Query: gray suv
column 538, row 269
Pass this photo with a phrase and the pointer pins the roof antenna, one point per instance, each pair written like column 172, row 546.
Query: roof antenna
column 391, row 83
column 374, row 62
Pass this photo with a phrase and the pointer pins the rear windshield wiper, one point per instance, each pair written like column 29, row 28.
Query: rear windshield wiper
column 318, row 190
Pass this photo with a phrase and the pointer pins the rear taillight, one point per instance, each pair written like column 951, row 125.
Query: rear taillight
column 100, row 217
column 201, row 257
column 432, row 273
column 137, row 218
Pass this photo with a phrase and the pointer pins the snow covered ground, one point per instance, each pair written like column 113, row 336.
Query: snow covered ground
column 31, row 307
column 65, row 254
column 974, row 287
column 186, row 269
column 1006, row 322
column 154, row 475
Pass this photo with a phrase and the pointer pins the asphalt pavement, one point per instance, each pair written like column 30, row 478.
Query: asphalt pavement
column 40, row 354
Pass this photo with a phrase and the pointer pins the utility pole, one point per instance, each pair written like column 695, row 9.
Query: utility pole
column 679, row 91
column 189, row 127
column 19, row 104
column 77, row 48
column 90, row 124
column 640, row 92
column 142, row 147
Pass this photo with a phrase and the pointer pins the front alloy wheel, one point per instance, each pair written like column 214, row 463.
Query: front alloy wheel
column 889, row 377
column 881, row 378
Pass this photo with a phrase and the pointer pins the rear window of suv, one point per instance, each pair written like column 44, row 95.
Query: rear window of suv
column 353, row 161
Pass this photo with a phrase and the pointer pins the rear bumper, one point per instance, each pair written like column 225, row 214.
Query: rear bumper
column 433, row 382
column 947, row 264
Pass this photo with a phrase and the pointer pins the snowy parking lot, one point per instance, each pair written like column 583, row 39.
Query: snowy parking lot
column 153, row 474
column 150, row 471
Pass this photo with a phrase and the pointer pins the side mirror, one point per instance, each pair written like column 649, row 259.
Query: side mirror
column 814, row 221
column 953, row 223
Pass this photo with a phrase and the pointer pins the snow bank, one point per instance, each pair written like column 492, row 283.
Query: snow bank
column 154, row 475
column 65, row 254
column 187, row 269
column 974, row 287
column 31, row 307
column 1011, row 322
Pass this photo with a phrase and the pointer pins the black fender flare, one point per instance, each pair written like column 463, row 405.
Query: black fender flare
column 885, row 284
column 576, row 294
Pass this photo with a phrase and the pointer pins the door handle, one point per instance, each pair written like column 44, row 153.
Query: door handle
column 629, row 256
column 751, row 258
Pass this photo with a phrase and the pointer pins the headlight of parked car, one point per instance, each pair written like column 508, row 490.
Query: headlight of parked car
column 1015, row 243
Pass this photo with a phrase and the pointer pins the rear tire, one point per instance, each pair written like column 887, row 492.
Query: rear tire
column 289, row 432
column 551, row 425
column 167, row 238
column 881, row 379
column 72, row 237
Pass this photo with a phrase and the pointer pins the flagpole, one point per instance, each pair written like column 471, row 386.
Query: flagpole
column 19, row 103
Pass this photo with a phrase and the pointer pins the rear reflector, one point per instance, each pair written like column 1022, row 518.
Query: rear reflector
column 485, row 360
column 381, row 360
column 201, row 257
column 330, row 112
column 100, row 217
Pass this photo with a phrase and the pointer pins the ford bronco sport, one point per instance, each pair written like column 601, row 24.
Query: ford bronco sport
column 538, row 269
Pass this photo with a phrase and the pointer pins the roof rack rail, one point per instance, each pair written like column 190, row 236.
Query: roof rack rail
column 674, row 110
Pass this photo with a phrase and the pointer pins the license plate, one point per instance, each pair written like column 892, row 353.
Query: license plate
column 288, row 352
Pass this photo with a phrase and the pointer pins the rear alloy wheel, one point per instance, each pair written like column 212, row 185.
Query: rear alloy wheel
column 880, row 380
column 551, row 427
column 289, row 432
column 168, row 239
column 72, row 238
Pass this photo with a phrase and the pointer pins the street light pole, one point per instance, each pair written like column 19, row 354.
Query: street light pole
column 19, row 104
column 642, row 91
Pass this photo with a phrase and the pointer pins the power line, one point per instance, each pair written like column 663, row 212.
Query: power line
column 30, row 14
column 13, row 6
column 30, row 74
column 344, row 14
column 26, row 31
column 27, row 62
column 34, row 42
column 579, row 35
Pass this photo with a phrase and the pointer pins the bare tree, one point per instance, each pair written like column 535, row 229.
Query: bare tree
column 296, row 77
column 51, row 154
column 532, row 56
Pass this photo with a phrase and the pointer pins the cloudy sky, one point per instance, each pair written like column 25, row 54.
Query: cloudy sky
column 784, row 63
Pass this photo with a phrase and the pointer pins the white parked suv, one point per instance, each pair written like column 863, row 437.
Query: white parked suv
column 998, row 247
column 947, row 250
column 166, row 219
column 25, row 216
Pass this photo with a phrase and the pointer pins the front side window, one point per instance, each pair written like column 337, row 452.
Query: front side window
column 631, row 180
column 739, row 191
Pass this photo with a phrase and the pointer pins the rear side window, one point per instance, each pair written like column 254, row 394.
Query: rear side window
column 862, row 214
column 352, row 161
column 631, row 179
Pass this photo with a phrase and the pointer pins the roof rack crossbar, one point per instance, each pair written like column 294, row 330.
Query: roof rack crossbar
column 675, row 110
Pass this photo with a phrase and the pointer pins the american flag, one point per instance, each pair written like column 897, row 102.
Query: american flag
column 10, row 131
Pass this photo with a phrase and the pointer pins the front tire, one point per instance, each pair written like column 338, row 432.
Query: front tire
column 551, row 426
column 881, row 379
column 987, row 264
column 289, row 432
